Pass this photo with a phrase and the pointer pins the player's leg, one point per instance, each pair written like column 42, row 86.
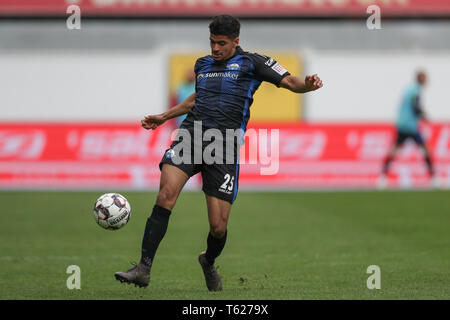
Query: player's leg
column 382, row 180
column 428, row 160
column 218, row 214
column 434, row 178
column 389, row 158
column 401, row 137
column 220, row 185
column 421, row 143
column 171, row 183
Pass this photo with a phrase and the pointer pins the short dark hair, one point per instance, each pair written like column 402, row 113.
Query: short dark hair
column 225, row 25
column 420, row 73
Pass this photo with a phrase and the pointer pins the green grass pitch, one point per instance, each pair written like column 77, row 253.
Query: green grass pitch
column 287, row 246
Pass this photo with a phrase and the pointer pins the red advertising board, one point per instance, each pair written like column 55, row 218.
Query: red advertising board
column 236, row 7
column 123, row 155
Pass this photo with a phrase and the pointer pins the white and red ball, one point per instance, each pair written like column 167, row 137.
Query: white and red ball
column 112, row 211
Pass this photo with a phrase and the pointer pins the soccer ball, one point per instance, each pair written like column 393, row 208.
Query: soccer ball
column 112, row 211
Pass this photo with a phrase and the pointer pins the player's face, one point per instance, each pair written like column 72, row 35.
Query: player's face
column 422, row 79
column 222, row 47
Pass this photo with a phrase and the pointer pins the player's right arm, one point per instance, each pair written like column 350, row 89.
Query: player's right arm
column 153, row 121
column 417, row 107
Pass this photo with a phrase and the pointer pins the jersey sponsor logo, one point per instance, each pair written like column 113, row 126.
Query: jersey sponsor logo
column 200, row 76
column 278, row 68
column 233, row 66
column 221, row 75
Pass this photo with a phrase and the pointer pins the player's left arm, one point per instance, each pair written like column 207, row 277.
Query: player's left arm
column 298, row 85
column 268, row 69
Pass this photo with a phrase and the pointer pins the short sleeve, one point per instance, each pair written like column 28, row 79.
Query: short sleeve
column 268, row 69
column 197, row 65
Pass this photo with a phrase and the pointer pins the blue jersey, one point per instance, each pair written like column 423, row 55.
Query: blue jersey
column 225, row 89
column 410, row 112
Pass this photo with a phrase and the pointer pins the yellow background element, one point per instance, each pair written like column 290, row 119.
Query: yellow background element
column 271, row 104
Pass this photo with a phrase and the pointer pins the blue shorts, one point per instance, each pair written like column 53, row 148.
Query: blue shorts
column 403, row 136
column 220, row 180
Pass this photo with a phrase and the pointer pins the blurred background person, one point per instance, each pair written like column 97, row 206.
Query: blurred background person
column 71, row 101
column 407, row 127
column 185, row 89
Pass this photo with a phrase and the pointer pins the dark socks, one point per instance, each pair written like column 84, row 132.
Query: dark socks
column 155, row 229
column 215, row 247
column 429, row 165
column 387, row 162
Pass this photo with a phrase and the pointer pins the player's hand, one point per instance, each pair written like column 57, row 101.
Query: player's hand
column 313, row 82
column 152, row 122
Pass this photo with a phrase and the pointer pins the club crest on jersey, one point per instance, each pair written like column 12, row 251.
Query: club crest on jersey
column 170, row 153
column 233, row 66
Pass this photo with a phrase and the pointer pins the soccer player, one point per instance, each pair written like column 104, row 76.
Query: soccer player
column 225, row 83
column 407, row 126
